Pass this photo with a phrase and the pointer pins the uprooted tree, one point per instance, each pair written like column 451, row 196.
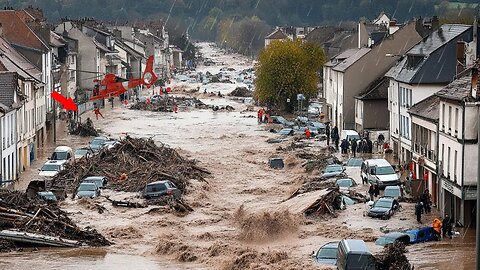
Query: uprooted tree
column 285, row 69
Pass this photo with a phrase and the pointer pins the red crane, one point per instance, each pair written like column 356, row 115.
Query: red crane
column 112, row 85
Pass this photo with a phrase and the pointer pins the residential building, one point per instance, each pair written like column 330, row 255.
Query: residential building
column 30, row 113
column 458, row 146
column 334, row 39
column 176, row 57
column 425, row 116
column 278, row 34
column 351, row 72
column 371, row 107
column 425, row 69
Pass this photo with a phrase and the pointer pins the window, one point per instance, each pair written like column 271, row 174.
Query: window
column 455, row 166
column 443, row 157
column 443, row 117
column 456, row 121
column 448, row 163
column 449, row 119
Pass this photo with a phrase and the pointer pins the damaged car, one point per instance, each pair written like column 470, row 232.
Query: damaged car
column 383, row 208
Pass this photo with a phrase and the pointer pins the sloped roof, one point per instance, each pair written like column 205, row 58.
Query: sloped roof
column 277, row 34
column 15, row 62
column 459, row 89
column 8, row 84
column 427, row 108
column 346, row 63
column 17, row 32
column 56, row 40
column 377, row 90
column 432, row 59
column 321, row 35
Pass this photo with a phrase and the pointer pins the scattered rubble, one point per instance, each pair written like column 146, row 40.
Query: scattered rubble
column 141, row 159
column 393, row 258
column 167, row 104
column 84, row 129
column 241, row 92
column 35, row 221
column 326, row 204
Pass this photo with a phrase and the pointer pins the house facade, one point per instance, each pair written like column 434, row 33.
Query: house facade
column 278, row 34
column 371, row 110
column 425, row 69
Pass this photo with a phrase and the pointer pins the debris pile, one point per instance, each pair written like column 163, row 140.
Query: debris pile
column 326, row 204
column 241, row 92
column 167, row 104
column 393, row 258
column 140, row 159
column 34, row 216
column 83, row 129
column 317, row 161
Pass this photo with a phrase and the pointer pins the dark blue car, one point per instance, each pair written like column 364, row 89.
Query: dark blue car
column 421, row 235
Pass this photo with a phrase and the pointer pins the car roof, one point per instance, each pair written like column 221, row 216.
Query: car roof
column 334, row 165
column 94, row 178
column 159, row 182
column 378, row 162
column 392, row 187
column 354, row 245
column 416, row 230
column 386, row 199
column 56, row 162
column 350, row 132
column 62, row 148
column 394, row 234
column 100, row 138
column 86, row 183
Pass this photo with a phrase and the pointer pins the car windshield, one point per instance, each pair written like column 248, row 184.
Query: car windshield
column 327, row 253
column 333, row 168
column 81, row 152
column 59, row 156
column 383, row 204
column 97, row 141
column 51, row 168
column 384, row 170
column 354, row 162
column 353, row 137
column 344, row 182
column 86, row 187
column 383, row 241
column 391, row 192
column 156, row 188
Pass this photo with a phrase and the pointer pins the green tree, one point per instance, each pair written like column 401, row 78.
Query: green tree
column 285, row 69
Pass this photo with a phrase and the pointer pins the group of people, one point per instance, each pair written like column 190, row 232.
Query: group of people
column 423, row 205
column 443, row 227
column 263, row 116
column 333, row 134
column 364, row 145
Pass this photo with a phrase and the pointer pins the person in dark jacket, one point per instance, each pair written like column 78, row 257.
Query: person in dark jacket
column 447, row 226
column 344, row 146
column 371, row 192
column 354, row 147
column 377, row 190
column 419, row 211
column 425, row 199
column 327, row 133
column 369, row 146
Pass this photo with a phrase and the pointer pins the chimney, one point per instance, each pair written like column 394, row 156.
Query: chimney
column 435, row 23
column 474, row 85
column 461, row 60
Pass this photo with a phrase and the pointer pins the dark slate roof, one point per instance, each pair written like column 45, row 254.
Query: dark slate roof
column 427, row 108
column 459, row 89
column 346, row 63
column 277, row 34
column 8, row 85
column 320, row 35
column 15, row 62
column 377, row 90
column 16, row 31
column 433, row 59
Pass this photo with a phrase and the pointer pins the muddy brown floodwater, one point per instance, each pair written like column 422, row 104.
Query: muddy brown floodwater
column 239, row 220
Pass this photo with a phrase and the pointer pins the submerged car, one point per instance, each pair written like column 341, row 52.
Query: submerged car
column 383, row 208
column 395, row 192
column 47, row 196
column 281, row 120
column 88, row 190
column 161, row 188
column 393, row 237
column 52, row 168
column 286, row 131
column 83, row 152
column 97, row 143
column 333, row 170
column 421, row 235
column 327, row 254
column 100, row 181
column 345, row 183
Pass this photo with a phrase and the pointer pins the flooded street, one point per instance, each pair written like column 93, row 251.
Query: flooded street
column 233, row 147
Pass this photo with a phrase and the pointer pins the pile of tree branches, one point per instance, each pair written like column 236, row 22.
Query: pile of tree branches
column 393, row 258
column 37, row 216
column 141, row 160
column 83, row 129
column 168, row 104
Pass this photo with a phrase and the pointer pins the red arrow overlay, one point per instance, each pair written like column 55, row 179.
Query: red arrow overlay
column 67, row 103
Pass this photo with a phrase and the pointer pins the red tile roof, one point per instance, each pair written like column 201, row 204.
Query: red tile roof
column 17, row 32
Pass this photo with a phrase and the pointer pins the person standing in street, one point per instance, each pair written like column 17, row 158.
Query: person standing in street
column 426, row 198
column 354, row 147
column 377, row 190
column 97, row 112
column 418, row 211
column 307, row 133
column 447, row 226
column 437, row 226
column 371, row 192
column 327, row 133
column 344, row 146
column 260, row 115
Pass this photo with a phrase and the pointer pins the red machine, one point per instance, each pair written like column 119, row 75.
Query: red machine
column 112, row 86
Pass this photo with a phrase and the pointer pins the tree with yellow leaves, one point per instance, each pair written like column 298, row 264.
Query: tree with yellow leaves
column 285, row 69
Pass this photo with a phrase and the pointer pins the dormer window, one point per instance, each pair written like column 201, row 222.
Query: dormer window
column 414, row 60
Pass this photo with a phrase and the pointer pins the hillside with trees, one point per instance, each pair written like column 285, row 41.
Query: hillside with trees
column 242, row 24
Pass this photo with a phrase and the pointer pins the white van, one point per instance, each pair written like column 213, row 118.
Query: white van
column 63, row 153
column 350, row 135
column 379, row 171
